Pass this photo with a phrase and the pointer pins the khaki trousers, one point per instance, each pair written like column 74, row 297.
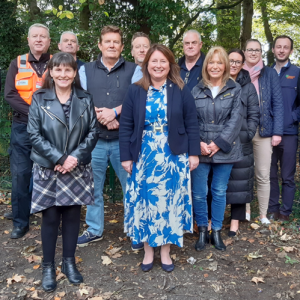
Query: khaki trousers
column 262, row 149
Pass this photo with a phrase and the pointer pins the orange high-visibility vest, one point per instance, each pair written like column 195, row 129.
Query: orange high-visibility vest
column 27, row 81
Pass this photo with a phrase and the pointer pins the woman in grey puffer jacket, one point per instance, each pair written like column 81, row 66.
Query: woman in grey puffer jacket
column 219, row 111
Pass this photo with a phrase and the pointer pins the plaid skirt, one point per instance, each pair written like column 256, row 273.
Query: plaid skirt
column 52, row 188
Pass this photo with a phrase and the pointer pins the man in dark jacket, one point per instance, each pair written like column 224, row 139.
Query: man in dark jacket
column 286, row 151
column 20, row 147
column 69, row 43
column 192, row 61
column 107, row 79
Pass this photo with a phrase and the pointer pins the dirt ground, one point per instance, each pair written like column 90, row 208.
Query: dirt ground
column 262, row 263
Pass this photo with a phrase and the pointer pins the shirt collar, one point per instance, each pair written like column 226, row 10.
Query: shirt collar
column 281, row 68
column 45, row 57
column 151, row 88
column 106, row 66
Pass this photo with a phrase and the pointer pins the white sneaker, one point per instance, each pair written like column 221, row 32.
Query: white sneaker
column 265, row 221
column 248, row 217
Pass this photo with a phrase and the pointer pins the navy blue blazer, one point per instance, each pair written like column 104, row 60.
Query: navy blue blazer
column 183, row 135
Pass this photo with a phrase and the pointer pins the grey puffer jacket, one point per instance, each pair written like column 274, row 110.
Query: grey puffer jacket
column 240, row 185
column 220, row 120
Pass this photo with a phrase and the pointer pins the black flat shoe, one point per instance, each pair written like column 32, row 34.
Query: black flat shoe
column 49, row 277
column 148, row 267
column 216, row 240
column 8, row 215
column 231, row 233
column 203, row 238
column 70, row 270
column 18, row 232
column 167, row 268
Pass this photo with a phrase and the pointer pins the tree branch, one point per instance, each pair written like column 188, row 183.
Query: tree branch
column 192, row 19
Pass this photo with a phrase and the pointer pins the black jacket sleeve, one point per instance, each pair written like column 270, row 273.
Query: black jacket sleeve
column 88, row 144
column 252, row 111
column 11, row 94
column 233, row 126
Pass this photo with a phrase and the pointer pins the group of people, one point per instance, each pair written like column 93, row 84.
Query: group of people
column 183, row 138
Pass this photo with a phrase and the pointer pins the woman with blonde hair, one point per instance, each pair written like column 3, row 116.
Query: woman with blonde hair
column 219, row 110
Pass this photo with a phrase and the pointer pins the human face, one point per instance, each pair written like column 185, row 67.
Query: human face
column 140, row 46
column 111, row 46
column 191, row 45
column 158, row 67
column 253, row 53
column 215, row 68
column 38, row 40
column 236, row 64
column 63, row 76
column 68, row 44
column 282, row 50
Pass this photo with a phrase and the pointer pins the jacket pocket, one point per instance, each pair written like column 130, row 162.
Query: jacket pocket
column 181, row 130
column 200, row 102
column 226, row 102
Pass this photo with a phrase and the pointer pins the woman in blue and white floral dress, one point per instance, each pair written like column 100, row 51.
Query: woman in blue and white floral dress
column 159, row 146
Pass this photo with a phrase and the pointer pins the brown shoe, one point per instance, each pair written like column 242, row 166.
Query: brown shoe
column 283, row 218
column 273, row 216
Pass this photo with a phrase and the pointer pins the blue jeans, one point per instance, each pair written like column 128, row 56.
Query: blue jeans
column 105, row 151
column 221, row 173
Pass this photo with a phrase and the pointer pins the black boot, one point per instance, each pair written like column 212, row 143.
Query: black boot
column 203, row 238
column 70, row 270
column 49, row 277
column 216, row 240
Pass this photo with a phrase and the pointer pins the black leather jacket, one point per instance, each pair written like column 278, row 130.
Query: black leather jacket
column 50, row 136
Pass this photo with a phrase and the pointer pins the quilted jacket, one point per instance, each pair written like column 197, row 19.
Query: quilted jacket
column 271, row 103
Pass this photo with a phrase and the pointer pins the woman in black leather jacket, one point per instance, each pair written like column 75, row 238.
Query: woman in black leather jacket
column 62, row 126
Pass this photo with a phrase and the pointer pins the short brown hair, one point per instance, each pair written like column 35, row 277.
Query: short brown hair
column 140, row 34
column 111, row 28
column 174, row 73
column 223, row 56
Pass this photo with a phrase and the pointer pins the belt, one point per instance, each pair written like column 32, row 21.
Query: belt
column 211, row 127
column 157, row 128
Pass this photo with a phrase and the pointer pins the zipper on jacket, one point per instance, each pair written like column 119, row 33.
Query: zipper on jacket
column 80, row 128
column 56, row 117
column 118, row 84
column 261, row 105
column 44, row 109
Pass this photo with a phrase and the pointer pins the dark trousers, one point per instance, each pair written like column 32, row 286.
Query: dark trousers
column 285, row 153
column 70, row 216
column 21, row 171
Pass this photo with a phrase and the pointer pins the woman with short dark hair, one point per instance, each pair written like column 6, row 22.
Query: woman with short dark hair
column 159, row 146
column 62, row 126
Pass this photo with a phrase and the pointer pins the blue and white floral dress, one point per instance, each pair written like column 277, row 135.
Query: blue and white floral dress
column 158, row 204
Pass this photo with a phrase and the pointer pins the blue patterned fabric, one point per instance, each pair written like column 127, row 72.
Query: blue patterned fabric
column 158, row 205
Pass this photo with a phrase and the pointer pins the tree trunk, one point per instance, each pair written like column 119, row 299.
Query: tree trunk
column 268, row 33
column 33, row 9
column 246, row 29
column 85, row 15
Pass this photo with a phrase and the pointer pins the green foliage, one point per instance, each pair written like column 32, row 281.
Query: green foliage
column 12, row 34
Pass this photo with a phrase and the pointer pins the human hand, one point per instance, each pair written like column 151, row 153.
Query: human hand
column 127, row 165
column 213, row 148
column 204, row 149
column 59, row 168
column 114, row 124
column 276, row 139
column 69, row 164
column 193, row 162
column 106, row 115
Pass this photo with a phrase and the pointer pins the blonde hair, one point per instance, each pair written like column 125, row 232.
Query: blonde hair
column 223, row 56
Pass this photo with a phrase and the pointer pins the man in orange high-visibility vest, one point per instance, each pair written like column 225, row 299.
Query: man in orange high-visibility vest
column 25, row 75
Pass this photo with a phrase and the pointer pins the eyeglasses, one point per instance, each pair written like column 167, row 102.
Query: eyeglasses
column 256, row 51
column 186, row 79
column 238, row 63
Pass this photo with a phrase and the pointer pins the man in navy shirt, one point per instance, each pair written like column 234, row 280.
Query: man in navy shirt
column 285, row 152
column 192, row 61
column 69, row 43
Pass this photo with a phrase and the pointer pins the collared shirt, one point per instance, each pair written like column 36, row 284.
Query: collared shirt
column 281, row 68
column 193, row 76
column 137, row 75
